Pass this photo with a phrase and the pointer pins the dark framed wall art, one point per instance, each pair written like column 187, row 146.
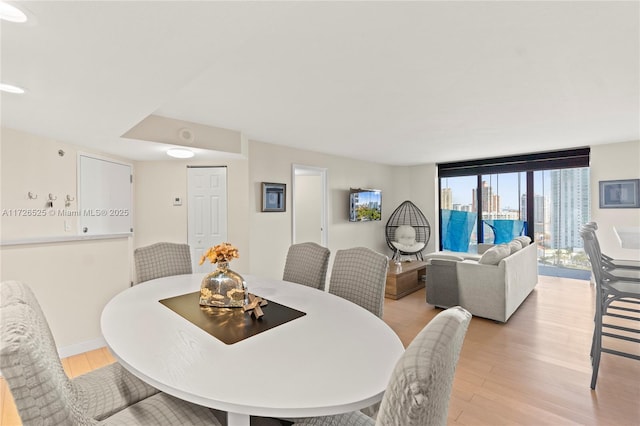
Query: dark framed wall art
column 620, row 194
column 274, row 197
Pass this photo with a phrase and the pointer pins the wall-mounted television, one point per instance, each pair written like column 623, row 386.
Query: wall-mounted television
column 365, row 205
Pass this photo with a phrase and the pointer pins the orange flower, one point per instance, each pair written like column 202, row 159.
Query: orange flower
column 224, row 252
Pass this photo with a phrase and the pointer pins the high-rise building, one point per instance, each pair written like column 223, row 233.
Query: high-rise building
column 490, row 201
column 569, row 202
column 446, row 199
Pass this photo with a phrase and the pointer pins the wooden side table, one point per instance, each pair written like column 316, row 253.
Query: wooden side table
column 406, row 279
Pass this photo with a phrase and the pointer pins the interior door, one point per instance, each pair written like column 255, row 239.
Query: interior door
column 309, row 205
column 207, row 210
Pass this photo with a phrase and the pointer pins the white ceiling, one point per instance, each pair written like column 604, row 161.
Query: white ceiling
column 389, row 82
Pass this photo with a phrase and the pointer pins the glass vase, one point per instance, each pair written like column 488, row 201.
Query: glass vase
column 223, row 288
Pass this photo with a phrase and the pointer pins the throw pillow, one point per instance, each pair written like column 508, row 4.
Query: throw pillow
column 406, row 235
column 514, row 246
column 495, row 254
column 524, row 240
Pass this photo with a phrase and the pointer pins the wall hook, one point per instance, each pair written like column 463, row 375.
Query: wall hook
column 49, row 203
column 68, row 200
column 32, row 196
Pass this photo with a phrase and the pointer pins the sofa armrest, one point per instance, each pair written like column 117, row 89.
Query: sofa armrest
column 442, row 283
column 444, row 260
column 482, row 289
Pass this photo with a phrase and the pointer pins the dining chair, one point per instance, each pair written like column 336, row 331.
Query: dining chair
column 359, row 275
column 100, row 392
column 617, row 301
column 419, row 389
column 307, row 264
column 162, row 260
column 43, row 393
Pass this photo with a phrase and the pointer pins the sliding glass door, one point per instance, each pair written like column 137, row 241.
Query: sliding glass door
column 503, row 206
column 545, row 196
column 458, row 213
column 562, row 206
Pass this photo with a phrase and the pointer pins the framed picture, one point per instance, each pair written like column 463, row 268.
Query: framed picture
column 274, row 197
column 620, row 194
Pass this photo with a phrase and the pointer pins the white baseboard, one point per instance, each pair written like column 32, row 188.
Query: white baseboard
column 81, row 347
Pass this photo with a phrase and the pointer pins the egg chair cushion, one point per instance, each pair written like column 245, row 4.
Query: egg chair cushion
column 405, row 240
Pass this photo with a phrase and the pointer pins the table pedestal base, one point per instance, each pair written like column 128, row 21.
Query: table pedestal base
column 236, row 419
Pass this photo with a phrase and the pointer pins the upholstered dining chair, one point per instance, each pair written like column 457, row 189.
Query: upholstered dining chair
column 359, row 275
column 162, row 260
column 419, row 389
column 307, row 264
column 43, row 393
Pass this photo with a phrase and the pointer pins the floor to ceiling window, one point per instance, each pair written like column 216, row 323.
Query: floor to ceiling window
column 561, row 208
column 542, row 195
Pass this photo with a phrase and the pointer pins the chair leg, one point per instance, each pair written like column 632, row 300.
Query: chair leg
column 595, row 367
column 596, row 344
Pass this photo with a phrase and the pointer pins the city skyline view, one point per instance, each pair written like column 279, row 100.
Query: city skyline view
column 504, row 185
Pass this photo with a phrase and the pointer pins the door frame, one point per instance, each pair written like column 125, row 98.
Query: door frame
column 299, row 169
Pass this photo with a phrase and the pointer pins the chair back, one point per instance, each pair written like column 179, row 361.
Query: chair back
column 591, row 228
column 359, row 275
column 592, row 248
column 307, row 264
column 162, row 260
column 29, row 362
column 419, row 390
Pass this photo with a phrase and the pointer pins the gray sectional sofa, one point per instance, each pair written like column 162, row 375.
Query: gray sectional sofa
column 492, row 284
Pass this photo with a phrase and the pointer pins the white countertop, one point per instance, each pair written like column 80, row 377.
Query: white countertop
column 628, row 236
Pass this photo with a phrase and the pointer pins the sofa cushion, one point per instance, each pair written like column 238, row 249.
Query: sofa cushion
column 495, row 254
column 514, row 246
column 524, row 240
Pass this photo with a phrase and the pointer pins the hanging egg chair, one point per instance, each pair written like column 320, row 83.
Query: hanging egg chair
column 407, row 231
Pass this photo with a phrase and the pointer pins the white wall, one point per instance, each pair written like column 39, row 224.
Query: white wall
column 72, row 280
column 613, row 162
column 32, row 164
column 157, row 183
column 271, row 232
column 424, row 194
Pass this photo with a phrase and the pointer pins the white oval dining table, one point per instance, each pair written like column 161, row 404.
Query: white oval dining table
column 336, row 358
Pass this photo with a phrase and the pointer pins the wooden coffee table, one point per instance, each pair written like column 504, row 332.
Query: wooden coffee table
column 406, row 279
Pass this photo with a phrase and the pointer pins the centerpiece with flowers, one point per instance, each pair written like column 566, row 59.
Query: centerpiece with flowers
column 222, row 288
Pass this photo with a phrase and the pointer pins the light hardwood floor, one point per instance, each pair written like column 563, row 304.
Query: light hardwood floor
column 534, row 370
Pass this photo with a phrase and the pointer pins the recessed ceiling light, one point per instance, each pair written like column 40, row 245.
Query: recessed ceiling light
column 10, row 88
column 180, row 153
column 11, row 13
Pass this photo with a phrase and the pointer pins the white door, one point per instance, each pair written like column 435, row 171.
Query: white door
column 309, row 218
column 207, row 208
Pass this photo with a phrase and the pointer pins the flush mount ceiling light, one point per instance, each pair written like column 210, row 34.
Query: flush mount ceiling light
column 180, row 153
column 10, row 88
column 11, row 13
